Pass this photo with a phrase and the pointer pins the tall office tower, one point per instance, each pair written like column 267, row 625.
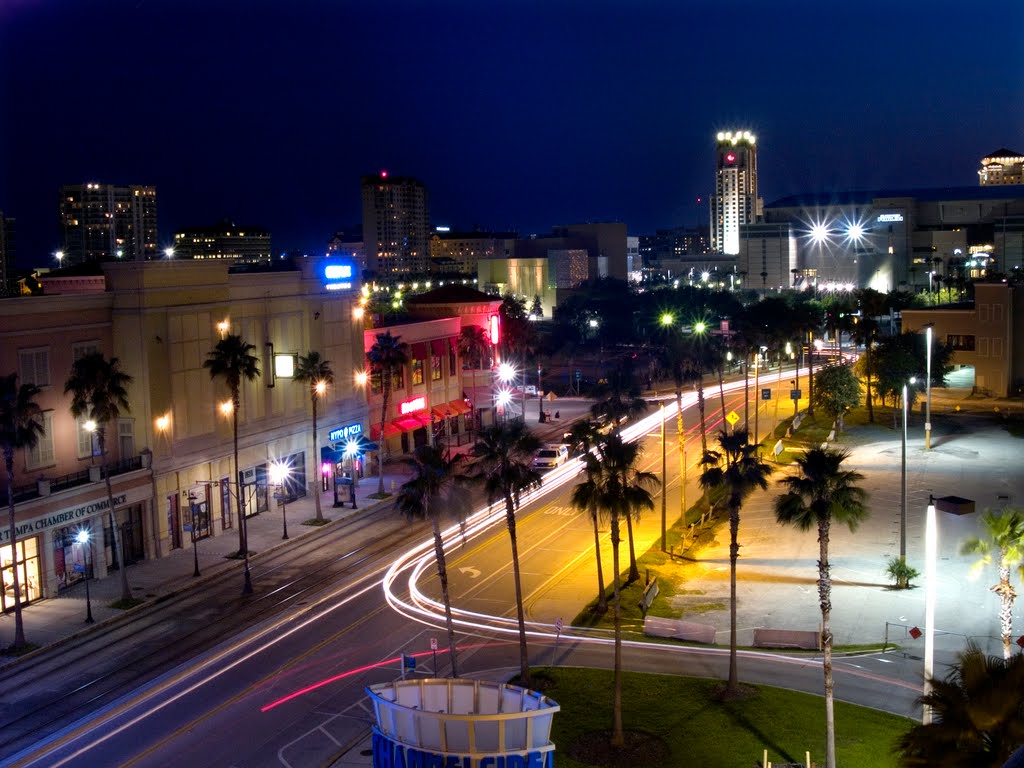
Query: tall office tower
column 396, row 225
column 735, row 201
column 1004, row 166
column 6, row 255
column 107, row 221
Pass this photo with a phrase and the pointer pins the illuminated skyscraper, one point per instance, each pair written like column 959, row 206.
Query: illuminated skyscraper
column 396, row 225
column 1004, row 166
column 735, row 201
column 107, row 221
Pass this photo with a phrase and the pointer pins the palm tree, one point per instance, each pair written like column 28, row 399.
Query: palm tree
column 233, row 360
column 615, row 488
column 872, row 303
column 21, row 424
column 387, row 357
column 1002, row 543
column 98, row 389
column 584, row 437
column 732, row 474
column 503, row 464
column 822, row 493
column 617, row 404
column 317, row 373
column 682, row 374
column 976, row 715
column 431, row 494
column 806, row 319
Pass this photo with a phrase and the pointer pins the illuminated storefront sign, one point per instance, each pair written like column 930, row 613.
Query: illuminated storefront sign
column 344, row 433
column 388, row 753
column 889, row 217
column 410, row 406
column 62, row 518
column 338, row 277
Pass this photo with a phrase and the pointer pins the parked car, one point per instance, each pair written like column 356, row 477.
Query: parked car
column 551, row 456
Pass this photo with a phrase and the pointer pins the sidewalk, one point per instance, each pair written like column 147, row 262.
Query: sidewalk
column 57, row 619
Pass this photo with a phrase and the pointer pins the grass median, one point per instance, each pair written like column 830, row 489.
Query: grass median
column 682, row 721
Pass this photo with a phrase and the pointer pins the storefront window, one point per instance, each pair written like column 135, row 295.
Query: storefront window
column 27, row 563
column 435, row 368
column 417, row 372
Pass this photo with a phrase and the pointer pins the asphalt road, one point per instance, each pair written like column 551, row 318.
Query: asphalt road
column 288, row 691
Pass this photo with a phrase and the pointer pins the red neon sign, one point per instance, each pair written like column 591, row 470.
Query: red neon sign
column 495, row 330
column 412, row 405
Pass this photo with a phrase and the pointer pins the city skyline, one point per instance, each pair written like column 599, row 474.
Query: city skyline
column 514, row 118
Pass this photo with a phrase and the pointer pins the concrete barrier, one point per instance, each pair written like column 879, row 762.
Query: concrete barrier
column 787, row 638
column 678, row 629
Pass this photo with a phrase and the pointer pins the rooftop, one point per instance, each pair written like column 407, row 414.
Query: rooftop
column 451, row 294
column 866, row 197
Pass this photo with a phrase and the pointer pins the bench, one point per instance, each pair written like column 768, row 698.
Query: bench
column 677, row 629
column 787, row 638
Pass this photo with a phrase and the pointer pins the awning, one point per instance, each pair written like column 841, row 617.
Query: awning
column 442, row 411
column 419, row 351
column 459, row 407
column 407, row 424
column 390, row 430
column 437, row 347
column 357, row 445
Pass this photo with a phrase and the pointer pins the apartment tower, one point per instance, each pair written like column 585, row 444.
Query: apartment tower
column 735, row 201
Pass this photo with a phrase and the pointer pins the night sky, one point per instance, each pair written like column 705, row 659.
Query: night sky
column 516, row 115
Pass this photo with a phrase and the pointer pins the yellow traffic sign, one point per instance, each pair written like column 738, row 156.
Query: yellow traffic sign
column 732, row 417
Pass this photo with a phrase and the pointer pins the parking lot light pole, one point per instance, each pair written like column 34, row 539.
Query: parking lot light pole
column 83, row 538
column 664, row 485
column 928, row 389
column 903, row 477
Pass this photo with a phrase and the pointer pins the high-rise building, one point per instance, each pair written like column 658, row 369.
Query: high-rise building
column 107, row 221
column 735, row 201
column 396, row 225
column 226, row 240
column 465, row 249
column 1004, row 166
column 6, row 254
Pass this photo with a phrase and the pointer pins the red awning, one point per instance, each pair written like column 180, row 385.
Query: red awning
column 459, row 407
column 442, row 411
column 438, row 347
column 407, row 423
column 419, row 351
column 390, row 430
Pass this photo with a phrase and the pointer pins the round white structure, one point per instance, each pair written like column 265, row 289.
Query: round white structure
column 441, row 723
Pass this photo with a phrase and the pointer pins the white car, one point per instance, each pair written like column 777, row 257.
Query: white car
column 551, row 456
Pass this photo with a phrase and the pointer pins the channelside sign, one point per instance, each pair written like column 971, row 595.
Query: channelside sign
column 388, row 753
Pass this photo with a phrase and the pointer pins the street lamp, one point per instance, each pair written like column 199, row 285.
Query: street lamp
column 903, row 477
column 83, row 538
column 931, row 545
column 351, row 451
column 59, row 256
column 169, row 253
column 278, row 475
column 928, row 388
column 667, row 319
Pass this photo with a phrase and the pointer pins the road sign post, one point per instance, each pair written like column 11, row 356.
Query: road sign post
column 558, row 634
column 433, row 651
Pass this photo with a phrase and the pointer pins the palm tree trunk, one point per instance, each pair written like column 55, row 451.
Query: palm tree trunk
column 700, row 408
column 316, row 465
column 524, row 662
column 634, row 572
column 442, row 575
column 618, row 738
column 243, row 534
column 386, row 393
column 1006, row 595
column 734, row 552
column 19, row 622
column 867, row 371
column 810, row 374
column 101, row 438
column 602, row 602
column 824, row 597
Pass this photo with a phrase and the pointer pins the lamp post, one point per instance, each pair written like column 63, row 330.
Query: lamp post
column 506, row 375
column 83, row 538
column 664, row 485
column 903, row 477
column 928, row 389
column 278, row 475
column 931, row 540
column 227, row 408
column 351, row 451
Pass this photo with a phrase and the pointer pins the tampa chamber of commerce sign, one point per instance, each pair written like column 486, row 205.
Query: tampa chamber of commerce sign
column 61, row 518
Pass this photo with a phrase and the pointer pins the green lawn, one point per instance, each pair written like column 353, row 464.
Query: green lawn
column 701, row 731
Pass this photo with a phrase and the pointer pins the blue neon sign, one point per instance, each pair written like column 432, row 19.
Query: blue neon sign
column 344, row 433
column 339, row 276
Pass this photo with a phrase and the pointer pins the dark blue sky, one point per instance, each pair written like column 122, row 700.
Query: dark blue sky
column 515, row 114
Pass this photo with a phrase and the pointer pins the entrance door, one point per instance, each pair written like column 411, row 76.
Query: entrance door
column 26, row 560
column 174, row 521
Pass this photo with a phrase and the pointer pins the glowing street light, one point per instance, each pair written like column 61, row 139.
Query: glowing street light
column 279, row 472
column 855, row 232
column 667, row 319
column 82, row 537
column 361, row 378
column 226, row 407
column 59, row 256
column 506, row 372
column 819, row 233
column 169, row 253
column 351, row 451
column 700, row 326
